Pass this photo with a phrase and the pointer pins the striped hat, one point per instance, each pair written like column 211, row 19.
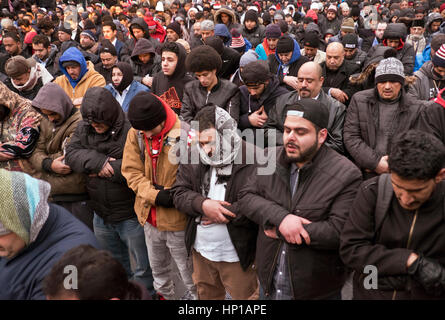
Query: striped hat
column 439, row 57
column 237, row 39
column 348, row 25
column 24, row 202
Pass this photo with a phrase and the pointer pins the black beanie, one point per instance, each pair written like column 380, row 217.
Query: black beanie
column 176, row 27
column 251, row 15
column 146, row 111
column 311, row 40
column 285, row 44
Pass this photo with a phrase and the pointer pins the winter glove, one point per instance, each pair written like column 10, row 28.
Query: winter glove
column 164, row 199
column 158, row 186
column 430, row 274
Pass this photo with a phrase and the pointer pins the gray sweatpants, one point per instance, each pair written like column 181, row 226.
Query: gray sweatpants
column 162, row 246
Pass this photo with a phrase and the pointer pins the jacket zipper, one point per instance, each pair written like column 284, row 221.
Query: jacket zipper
column 207, row 99
column 408, row 244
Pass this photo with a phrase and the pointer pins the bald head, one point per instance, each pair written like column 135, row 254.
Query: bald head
column 311, row 67
column 309, row 80
column 335, row 55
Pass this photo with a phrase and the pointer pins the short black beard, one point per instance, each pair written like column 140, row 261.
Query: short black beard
column 304, row 156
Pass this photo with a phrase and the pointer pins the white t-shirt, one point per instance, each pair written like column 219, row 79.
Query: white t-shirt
column 213, row 241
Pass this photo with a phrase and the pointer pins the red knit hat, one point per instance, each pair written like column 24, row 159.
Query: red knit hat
column 442, row 7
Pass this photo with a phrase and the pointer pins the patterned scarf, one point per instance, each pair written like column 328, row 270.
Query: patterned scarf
column 228, row 144
column 24, row 201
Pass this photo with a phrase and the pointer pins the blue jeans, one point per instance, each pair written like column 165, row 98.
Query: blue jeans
column 122, row 239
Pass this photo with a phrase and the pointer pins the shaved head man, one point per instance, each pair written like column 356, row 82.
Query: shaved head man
column 310, row 80
column 335, row 55
column 336, row 72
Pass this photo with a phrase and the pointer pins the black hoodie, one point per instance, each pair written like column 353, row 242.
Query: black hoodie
column 171, row 88
column 88, row 151
column 142, row 69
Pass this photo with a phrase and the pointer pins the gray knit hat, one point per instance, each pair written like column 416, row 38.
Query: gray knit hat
column 390, row 69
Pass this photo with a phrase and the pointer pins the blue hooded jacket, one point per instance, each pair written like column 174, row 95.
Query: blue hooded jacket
column 73, row 54
column 423, row 57
column 222, row 31
column 295, row 56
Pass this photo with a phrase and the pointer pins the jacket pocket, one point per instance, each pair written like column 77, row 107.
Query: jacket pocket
column 314, row 212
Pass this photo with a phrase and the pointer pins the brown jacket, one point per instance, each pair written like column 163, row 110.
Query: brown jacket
column 50, row 145
column 140, row 180
column 91, row 79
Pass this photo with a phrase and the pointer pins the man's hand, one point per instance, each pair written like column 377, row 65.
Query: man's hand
column 77, row 101
column 339, row 95
column 107, row 171
column 383, row 166
column 429, row 273
column 59, row 167
column 291, row 81
column 292, row 229
column 271, row 233
column 258, row 118
column 148, row 81
column 214, row 212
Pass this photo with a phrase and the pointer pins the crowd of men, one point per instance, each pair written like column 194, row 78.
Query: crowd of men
column 269, row 149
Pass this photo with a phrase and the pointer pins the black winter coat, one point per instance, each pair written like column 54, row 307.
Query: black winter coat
column 326, row 189
column 386, row 248
column 88, row 152
column 340, row 78
column 188, row 198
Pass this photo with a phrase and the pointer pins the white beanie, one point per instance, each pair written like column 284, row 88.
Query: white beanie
column 159, row 6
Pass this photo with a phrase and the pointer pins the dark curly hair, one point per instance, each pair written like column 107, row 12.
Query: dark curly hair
column 99, row 276
column 416, row 155
column 203, row 58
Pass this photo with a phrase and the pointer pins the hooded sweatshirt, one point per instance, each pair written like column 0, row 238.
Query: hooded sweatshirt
column 171, row 88
column 142, row 69
column 222, row 31
column 278, row 68
column 88, row 76
column 89, row 151
column 141, row 24
column 53, row 140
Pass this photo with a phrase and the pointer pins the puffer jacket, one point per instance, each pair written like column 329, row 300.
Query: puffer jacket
column 88, row 76
column 188, row 198
column 427, row 85
column 255, row 36
column 137, row 169
column 224, row 94
column 52, row 143
column 326, row 189
column 89, row 151
column 337, row 114
column 362, row 124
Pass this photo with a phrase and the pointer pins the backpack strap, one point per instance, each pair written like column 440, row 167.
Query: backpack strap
column 384, row 197
column 141, row 146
